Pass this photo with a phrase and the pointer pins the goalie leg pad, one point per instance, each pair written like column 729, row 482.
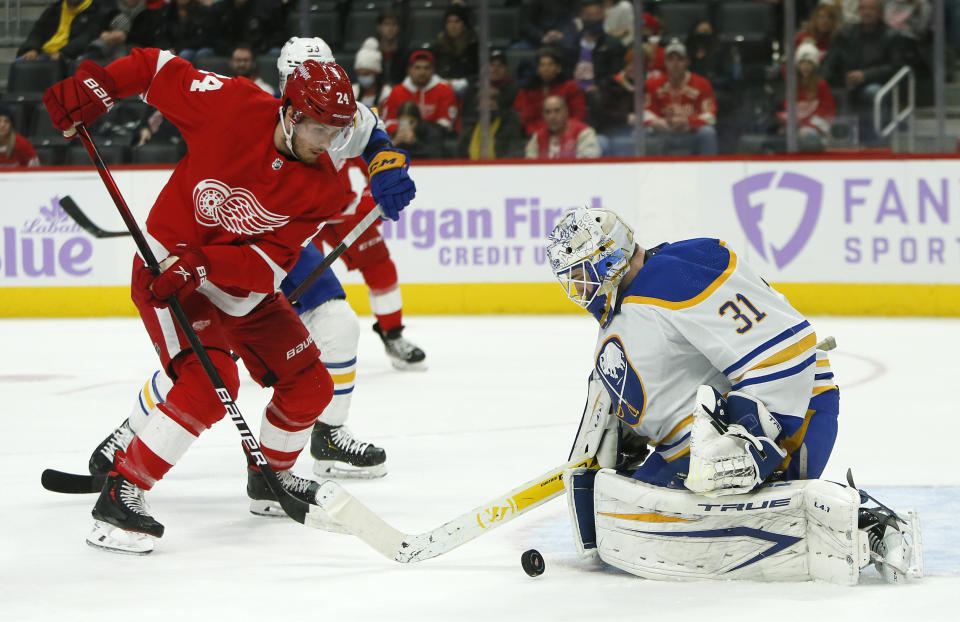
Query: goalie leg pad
column 792, row 531
column 579, row 485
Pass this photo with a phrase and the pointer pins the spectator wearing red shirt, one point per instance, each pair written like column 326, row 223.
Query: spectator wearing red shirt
column 816, row 109
column 680, row 107
column 15, row 150
column 529, row 102
column 561, row 137
column 435, row 98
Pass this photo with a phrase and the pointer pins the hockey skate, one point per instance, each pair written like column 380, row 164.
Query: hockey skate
column 403, row 355
column 262, row 500
column 893, row 539
column 101, row 460
column 122, row 521
column 338, row 454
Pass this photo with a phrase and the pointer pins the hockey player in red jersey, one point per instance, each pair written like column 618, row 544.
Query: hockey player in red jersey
column 255, row 187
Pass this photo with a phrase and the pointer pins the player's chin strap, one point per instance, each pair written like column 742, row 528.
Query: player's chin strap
column 288, row 137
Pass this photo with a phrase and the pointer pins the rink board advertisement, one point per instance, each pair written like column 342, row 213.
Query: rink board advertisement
column 841, row 236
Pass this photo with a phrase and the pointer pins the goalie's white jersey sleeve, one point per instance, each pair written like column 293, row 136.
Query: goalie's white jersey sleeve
column 695, row 314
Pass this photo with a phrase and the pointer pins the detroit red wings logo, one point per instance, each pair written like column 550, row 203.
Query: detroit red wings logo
column 234, row 209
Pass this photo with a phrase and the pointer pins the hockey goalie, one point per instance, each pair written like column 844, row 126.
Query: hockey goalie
column 712, row 410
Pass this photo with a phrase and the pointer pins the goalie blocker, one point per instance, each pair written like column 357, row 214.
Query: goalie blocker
column 788, row 531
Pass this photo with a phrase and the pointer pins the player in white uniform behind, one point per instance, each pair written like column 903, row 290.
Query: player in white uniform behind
column 708, row 392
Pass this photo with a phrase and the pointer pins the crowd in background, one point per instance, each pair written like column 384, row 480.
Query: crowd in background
column 562, row 81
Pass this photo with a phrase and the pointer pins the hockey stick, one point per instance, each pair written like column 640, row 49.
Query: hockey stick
column 344, row 244
column 295, row 508
column 74, row 211
column 401, row 547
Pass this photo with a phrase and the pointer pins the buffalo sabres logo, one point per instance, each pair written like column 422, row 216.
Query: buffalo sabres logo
column 234, row 209
column 621, row 381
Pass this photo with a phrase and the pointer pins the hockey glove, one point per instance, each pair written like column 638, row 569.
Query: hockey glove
column 81, row 98
column 180, row 274
column 390, row 184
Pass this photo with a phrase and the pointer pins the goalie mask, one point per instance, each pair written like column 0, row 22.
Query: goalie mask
column 299, row 49
column 590, row 252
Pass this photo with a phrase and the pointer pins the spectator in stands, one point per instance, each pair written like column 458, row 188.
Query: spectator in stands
column 549, row 81
column 597, row 54
column 456, row 49
column 242, row 64
column 862, row 58
column 910, row 18
column 392, row 50
column 654, row 64
column 506, row 131
column 561, row 137
column 614, row 117
column 821, row 28
column 64, row 29
column 849, row 10
column 369, row 88
column 436, row 99
column 816, row 109
column 261, row 24
column 711, row 58
column 680, row 107
column 130, row 24
column 422, row 140
column 15, row 150
column 618, row 20
column 155, row 127
column 548, row 23
column 500, row 80
column 187, row 30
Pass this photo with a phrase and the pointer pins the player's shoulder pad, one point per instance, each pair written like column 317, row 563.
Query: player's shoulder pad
column 682, row 274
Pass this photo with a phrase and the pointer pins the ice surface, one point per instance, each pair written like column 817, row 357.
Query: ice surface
column 499, row 405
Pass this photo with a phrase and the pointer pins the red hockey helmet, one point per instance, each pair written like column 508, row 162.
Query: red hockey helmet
column 321, row 91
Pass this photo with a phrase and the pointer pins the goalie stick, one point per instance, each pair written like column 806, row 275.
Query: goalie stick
column 361, row 521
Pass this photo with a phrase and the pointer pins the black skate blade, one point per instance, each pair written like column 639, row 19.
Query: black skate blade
column 70, row 483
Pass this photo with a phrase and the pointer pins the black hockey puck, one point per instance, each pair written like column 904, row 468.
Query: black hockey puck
column 532, row 562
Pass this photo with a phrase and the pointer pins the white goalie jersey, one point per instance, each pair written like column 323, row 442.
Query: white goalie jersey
column 696, row 315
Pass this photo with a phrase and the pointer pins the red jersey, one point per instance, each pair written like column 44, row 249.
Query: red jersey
column 437, row 103
column 21, row 153
column 692, row 100
column 817, row 111
column 234, row 193
column 529, row 103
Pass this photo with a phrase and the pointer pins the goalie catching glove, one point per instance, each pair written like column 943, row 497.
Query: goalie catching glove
column 81, row 98
column 390, row 184
column 732, row 444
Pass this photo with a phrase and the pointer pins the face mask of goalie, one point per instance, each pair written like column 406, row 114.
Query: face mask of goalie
column 580, row 283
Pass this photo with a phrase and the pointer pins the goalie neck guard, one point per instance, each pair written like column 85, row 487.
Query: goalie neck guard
column 590, row 252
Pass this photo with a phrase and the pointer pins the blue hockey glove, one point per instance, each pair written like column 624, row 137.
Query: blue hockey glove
column 390, row 184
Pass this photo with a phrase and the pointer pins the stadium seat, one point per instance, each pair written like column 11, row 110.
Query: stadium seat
column 360, row 25
column 746, row 21
column 424, row 25
column 110, row 152
column 504, row 26
column 216, row 64
column 155, row 153
column 42, row 131
column 33, row 76
column 50, row 155
column 321, row 24
column 678, row 18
